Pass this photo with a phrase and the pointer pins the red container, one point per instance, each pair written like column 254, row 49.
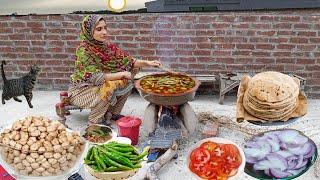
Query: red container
column 129, row 127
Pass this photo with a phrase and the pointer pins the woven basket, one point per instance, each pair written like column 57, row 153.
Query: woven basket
column 111, row 175
column 168, row 100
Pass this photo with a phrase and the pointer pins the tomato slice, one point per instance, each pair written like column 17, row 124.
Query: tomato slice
column 232, row 155
column 200, row 155
column 210, row 146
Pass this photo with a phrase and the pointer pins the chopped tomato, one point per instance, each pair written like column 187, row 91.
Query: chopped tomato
column 210, row 146
column 232, row 155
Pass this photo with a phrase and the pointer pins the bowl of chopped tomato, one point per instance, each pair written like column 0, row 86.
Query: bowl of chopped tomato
column 216, row 158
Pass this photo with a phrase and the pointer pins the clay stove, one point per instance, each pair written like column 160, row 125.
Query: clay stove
column 168, row 117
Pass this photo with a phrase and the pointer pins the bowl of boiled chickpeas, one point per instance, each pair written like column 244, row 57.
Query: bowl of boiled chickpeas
column 38, row 148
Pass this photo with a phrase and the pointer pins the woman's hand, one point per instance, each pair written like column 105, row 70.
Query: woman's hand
column 118, row 76
column 154, row 63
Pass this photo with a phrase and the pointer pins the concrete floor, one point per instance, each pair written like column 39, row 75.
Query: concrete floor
column 44, row 104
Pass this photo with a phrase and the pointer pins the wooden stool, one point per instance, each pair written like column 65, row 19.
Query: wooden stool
column 226, row 83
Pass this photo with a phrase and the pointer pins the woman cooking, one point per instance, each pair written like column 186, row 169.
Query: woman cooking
column 103, row 74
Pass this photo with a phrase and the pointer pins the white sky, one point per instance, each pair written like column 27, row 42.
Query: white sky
column 60, row 6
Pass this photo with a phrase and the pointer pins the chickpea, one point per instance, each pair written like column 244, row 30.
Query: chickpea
column 52, row 161
column 16, row 160
column 40, row 169
column 41, row 150
column 26, row 163
column 57, row 155
column 57, row 148
column 30, row 159
column 18, row 146
column 16, row 153
column 22, row 156
column 34, row 155
column 46, row 164
column 55, row 141
column 51, row 169
column 35, row 165
column 25, row 148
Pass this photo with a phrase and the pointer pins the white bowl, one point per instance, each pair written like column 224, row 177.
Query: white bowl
column 221, row 141
column 77, row 166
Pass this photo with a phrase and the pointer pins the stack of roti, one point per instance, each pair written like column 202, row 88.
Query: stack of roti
column 271, row 96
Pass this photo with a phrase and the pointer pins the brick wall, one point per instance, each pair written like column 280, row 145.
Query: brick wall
column 286, row 41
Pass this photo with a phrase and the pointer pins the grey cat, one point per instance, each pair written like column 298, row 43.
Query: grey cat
column 21, row 86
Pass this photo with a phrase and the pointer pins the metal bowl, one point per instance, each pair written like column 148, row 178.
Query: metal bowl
column 168, row 99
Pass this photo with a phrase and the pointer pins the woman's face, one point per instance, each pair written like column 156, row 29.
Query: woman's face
column 100, row 31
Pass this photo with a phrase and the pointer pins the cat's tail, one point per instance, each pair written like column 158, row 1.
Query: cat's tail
column 2, row 71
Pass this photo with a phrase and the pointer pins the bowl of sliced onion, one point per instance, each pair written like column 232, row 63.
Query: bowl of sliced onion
column 279, row 154
column 216, row 158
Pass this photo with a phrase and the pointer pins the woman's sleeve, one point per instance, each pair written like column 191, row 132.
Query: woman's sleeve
column 86, row 68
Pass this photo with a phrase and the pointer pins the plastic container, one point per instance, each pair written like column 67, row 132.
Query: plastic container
column 129, row 127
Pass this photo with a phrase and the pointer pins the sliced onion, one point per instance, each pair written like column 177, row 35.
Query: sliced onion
column 255, row 153
column 274, row 145
column 267, row 172
column 311, row 153
column 284, row 153
column 277, row 173
column 278, row 161
column 302, row 162
column 301, row 150
column 296, row 171
column 288, row 136
column 251, row 160
column 263, row 165
column 292, row 162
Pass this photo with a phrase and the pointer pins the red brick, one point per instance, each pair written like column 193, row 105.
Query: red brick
column 37, row 49
column 196, row 66
column 34, row 36
column 293, row 68
column 143, row 25
column 315, row 40
column 4, row 24
column 227, row 18
column 166, row 52
column 282, row 25
column 129, row 45
column 235, row 67
column 265, row 60
column 69, row 37
column 306, row 61
column 216, row 67
column 72, row 31
column 186, row 32
column 243, row 33
column 22, row 30
column 206, row 19
column 178, row 66
column 217, row 25
column 202, row 52
column 130, row 38
column 247, row 60
column 130, row 18
column 39, row 17
column 244, row 46
column 225, row 60
column 56, row 43
column 146, row 52
column 261, row 54
column 299, row 40
column 302, row 26
column 164, row 39
column 255, row 67
column 204, row 32
column 124, row 38
column 186, row 18
column 167, row 46
column 56, row 18
column 225, row 46
column 127, row 32
column 278, row 40
column 261, row 26
column 202, row 26
column 55, row 50
column 38, row 30
column 286, row 46
column 6, row 49
column 147, row 32
column 186, row 46
column 149, row 45
column 290, row 18
column 166, row 32
column 248, row 18
column 268, row 18
column 183, row 52
column 266, row 33
column 240, row 25
column 274, row 67
column 306, row 47
column 167, row 19
column 307, row 33
column 284, row 32
column 188, row 59
column 282, row 54
column 60, row 56
column 221, row 53
column 6, row 30
column 204, row 45
column 43, row 56
column 241, row 53
column 265, row 46
column 51, row 37
column 34, row 24
column 17, row 24
column 73, row 17
column 285, row 60
column 53, row 62
column 199, row 39
column 25, row 56
column 258, row 39
column 9, row 55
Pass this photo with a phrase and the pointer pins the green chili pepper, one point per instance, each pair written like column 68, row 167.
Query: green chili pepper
column 97, row 159
column 113, row 163
column 118, row 158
